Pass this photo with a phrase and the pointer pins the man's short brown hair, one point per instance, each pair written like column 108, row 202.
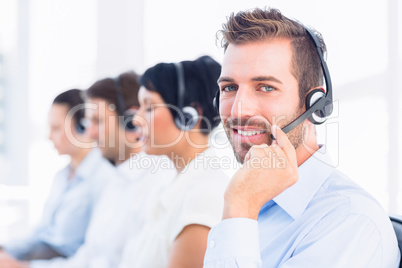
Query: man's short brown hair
column 264, row 24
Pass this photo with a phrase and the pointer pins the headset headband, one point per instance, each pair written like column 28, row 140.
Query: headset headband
column 121, row 105
column 324, row 103
column 327, row 76
column 181, row 85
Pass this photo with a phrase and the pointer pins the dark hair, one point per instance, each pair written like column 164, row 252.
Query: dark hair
column 108, row 89
column 258, row 24
column 72, row 98
column 200, row 78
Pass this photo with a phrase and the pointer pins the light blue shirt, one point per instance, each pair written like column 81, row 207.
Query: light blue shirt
column 324, row 220
column 120, row 213
column 69, row 207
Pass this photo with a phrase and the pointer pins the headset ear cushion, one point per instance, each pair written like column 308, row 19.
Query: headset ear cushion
column 317, row 117
column 216, row 102
column 313, row 97
column 79, row 126
column 128, row 122
column 187, row 118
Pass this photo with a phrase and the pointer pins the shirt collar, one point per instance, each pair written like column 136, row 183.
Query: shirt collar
column 89, row 164
column 312, row 174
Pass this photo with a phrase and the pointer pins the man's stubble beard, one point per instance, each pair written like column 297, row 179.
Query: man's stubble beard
column 295, row 136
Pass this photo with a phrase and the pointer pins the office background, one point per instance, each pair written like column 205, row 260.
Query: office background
column 47, row 47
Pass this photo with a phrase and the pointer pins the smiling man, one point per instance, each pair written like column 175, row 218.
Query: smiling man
column 285, row 207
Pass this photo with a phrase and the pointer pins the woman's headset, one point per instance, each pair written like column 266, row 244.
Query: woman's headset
column 79, row 126
column 80, row 120
column 187, row 116
column 122, row 109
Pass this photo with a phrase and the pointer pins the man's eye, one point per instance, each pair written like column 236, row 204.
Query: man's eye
column 267, row 88
column 229, row 88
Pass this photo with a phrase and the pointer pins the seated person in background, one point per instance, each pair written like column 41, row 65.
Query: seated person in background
column 111, row 103
column 75, row 189
column 177, row 116
column 287, row 206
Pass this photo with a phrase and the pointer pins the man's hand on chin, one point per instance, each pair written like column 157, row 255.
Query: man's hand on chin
column 267, row 172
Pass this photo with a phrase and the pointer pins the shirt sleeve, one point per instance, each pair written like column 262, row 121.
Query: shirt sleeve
column 78, row 260
column 21, row 249
column 355, row 242
column 233, row 243
column 103, row 237
column 202, row 205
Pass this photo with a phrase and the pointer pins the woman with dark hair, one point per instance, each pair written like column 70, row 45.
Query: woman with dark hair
column 176, row 116
column 75, row 188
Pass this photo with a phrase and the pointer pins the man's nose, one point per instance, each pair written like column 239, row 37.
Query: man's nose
column 245, row 104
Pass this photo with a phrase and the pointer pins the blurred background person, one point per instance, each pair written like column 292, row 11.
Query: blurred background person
column 111, row 104
column 177, row 116
column 75, row 189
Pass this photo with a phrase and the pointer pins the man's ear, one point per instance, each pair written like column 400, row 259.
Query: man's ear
column 312, row 95
column 315, row 95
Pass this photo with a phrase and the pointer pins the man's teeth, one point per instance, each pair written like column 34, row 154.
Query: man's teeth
column 249, row 133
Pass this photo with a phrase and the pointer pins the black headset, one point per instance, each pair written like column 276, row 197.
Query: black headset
column 80, row 118
column 127, row 121
column 318, row 104
column 187, row 117
column 79, row 127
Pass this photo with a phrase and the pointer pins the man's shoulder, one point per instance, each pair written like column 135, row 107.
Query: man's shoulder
column 342, row 196
column 340, row 186
column 341, row 204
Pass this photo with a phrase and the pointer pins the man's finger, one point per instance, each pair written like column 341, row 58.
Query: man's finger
column 284, row 143
column 257, row 150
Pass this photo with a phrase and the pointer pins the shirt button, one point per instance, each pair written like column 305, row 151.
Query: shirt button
column 212, row 244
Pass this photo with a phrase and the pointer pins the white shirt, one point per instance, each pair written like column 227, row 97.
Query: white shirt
column 69, row 207
column 323, row 220
column 118, row 214
column 194, row 197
